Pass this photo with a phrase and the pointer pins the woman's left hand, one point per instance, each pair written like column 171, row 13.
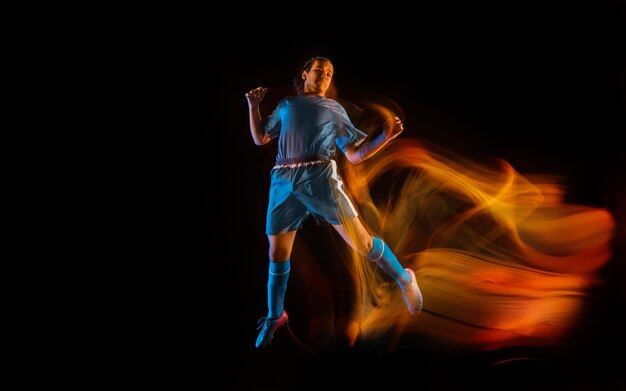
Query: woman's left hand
column 393, row 129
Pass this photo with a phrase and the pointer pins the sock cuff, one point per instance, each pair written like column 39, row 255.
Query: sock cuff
column 378, row 248
column 280, row 268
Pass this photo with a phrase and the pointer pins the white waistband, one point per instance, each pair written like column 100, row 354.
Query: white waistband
column 303, row 164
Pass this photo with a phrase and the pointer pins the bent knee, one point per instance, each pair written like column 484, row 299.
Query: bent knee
column 368, row 244
column 364, row 245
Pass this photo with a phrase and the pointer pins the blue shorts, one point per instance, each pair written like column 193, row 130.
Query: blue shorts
column 297, row 192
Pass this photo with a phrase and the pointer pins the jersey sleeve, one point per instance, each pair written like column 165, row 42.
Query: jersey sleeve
column 347, row 134
column 271, row 126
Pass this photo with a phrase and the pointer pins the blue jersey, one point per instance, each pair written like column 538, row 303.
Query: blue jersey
column 309, row 128
column 310, row 125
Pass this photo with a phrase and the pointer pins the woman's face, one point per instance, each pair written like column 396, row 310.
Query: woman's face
column 318, row 79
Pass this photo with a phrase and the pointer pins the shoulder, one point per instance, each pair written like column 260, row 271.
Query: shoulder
column 332, row 103
column 281, row 105
column 286, row 101
column 283, row 101
column 334, row 106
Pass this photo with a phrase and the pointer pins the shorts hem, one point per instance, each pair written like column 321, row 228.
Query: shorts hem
column 299, row 228
column 337, row 222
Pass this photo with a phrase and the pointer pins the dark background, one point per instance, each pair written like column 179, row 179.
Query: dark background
column 539, row 85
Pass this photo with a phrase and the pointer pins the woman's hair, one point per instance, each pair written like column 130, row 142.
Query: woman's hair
column 298, row 83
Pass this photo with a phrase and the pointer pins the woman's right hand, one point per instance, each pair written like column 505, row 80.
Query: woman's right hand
column 256, row 96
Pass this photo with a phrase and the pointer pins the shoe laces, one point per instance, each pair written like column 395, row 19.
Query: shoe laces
column 410, row 285
column 262, row 322
column 266, row 320
column 267, row 332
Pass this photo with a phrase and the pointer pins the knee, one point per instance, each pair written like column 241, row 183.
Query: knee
column 278, row 254
column 365, row 245
column 368, row 244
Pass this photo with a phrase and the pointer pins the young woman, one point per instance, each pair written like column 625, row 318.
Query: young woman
column 305, row 181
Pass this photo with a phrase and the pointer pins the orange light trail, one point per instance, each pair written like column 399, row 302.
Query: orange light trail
column 500, row 258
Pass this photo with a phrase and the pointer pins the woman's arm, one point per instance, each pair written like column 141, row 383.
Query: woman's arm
column 363, row 152
column 256, row 128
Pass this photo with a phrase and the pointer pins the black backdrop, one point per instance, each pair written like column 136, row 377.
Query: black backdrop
column 540, row 85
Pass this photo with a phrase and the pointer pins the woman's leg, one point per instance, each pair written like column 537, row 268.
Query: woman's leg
column 355, row 234
column 280, row 252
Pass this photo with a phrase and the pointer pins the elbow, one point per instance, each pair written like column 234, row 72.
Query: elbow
column 262, row 140
column 258, row 136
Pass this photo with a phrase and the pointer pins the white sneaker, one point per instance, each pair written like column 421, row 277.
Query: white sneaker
column 412, row 295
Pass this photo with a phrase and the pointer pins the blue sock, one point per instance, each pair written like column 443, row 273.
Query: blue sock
column 382, row 255
column 276, row 287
